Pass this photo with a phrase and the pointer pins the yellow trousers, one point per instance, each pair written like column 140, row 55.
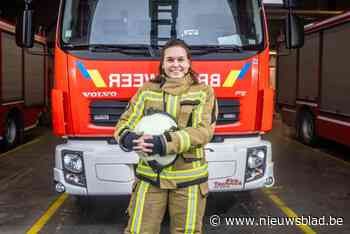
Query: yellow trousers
column 148, row 204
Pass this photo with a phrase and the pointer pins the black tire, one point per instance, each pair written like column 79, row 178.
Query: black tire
column 307, row 129
column 13, row 132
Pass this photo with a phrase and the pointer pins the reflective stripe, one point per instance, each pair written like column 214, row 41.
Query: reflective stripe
column 192, row 205
column 185, row 178
column 139, row 107
column 166, row 173
column 195, row 124
column 196, row 120
column 196, row 164
column 138, row 209
column 185, row 141
column 147, row 173
column 167, row 99
column 177, row 175
column 174, row 109
column 171, row 106
column 188, row 172
column 199, row 151
column 195, row 95
column 137, row 111
column 182, row 141
column 200, row 114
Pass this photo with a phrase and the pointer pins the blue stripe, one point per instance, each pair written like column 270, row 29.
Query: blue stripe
column 83, row 70
column 244, row 71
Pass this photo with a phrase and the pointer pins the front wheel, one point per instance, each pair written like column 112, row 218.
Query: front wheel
column 307, row 129
column 13, row 132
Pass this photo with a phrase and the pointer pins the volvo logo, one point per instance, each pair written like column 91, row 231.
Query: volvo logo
column 100, row 94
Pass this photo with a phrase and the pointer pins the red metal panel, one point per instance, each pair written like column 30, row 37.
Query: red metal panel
column 266, row 123
column 77, row 104
column 338, row 132
column 58, row 116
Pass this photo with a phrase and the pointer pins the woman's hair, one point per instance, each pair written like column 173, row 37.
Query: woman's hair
column 173, row 43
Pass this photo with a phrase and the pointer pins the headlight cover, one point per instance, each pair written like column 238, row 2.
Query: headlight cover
column 73, row 162
column 256, row 163
column 73, row 167
column 256, row 158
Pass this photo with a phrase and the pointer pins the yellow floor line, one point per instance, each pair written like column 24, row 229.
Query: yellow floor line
column 20, row 147
column 289, row 212
column 47, row 215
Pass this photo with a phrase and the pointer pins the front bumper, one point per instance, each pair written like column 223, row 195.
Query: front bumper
column 110, row 171
column 227, row 164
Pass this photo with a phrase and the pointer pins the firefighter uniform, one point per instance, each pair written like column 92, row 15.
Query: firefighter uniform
column 183, row 186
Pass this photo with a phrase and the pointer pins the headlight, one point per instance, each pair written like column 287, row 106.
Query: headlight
column 73, row 167
column 256, row 163
column 256, row 159
column 73, row 163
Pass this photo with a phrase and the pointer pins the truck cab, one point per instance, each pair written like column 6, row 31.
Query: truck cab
column 106, row 50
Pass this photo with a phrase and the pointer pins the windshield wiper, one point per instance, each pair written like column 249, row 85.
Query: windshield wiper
column 206, row 49
column 108, row 48
column 133, row 48
column 76, row 46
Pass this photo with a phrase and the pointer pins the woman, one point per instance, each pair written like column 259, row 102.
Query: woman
column 181, row 187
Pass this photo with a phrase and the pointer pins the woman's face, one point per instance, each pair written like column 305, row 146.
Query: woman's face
column 176, row 64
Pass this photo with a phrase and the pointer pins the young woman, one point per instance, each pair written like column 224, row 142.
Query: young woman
column 181, row 187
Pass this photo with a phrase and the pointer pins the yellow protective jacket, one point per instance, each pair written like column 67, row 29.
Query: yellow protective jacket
column 194, row 107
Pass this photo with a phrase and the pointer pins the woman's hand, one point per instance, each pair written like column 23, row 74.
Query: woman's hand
column 142, row 146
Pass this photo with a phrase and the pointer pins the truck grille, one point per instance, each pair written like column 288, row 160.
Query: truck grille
column 228, row 111
column 106, row 112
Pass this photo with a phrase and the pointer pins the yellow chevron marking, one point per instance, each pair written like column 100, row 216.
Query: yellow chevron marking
column 231, row 78
column 97, row 79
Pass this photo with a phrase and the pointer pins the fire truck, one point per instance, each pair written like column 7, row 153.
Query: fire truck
column 313, row 83
column 107, row 49
column 22, row 86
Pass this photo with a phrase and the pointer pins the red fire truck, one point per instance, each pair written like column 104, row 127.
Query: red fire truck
column 22, row 86
column 313, row 82
column 106, row 50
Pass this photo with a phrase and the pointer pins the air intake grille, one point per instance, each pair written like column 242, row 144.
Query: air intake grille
column 228, row 111
column 106, row 112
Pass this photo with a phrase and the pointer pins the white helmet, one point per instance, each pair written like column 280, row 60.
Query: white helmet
column 156, row 124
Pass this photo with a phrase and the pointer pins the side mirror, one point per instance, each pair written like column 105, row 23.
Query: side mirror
column 294, row 32
column 24, row 29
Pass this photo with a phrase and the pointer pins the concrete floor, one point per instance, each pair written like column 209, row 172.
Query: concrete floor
column 309, row 182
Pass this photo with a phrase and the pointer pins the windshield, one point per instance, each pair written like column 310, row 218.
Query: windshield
column 153, row 22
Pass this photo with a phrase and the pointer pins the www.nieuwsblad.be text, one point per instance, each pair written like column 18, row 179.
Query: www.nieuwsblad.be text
column 216, row 220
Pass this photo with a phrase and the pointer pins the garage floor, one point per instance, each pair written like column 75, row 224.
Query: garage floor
column 310, row 183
